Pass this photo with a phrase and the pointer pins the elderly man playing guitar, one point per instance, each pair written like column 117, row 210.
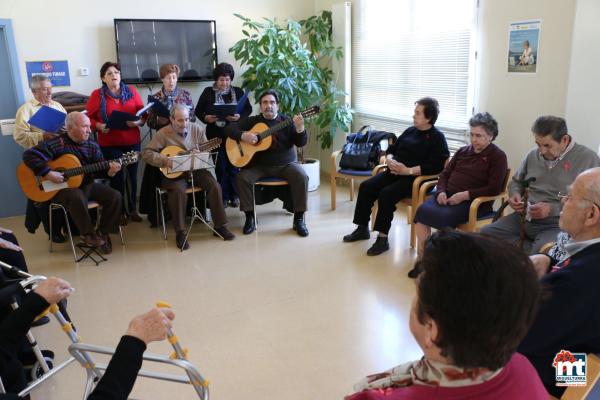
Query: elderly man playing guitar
column 75, row 199
column 184, row 137
column 277, row 159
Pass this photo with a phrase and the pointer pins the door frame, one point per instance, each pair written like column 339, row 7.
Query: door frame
column 13, row 60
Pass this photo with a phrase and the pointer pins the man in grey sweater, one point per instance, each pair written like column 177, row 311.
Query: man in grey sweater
column 554, row 164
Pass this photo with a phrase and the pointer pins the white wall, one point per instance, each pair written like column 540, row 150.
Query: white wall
column 82, row 31
column 516, row 100
column 583, row 98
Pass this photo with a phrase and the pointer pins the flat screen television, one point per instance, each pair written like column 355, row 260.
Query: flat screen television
column 143, row 45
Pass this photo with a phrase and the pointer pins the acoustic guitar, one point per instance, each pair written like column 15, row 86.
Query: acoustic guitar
column 241, row 153
column 172, row 151
column 72, row 170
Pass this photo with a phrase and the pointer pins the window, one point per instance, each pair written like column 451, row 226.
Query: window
column 403, row 50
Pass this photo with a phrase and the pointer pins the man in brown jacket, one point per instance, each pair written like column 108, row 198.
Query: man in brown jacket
column 180, row 132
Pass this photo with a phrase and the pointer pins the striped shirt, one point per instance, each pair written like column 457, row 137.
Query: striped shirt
column 37, row 157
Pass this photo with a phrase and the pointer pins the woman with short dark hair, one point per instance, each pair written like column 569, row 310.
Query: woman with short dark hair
column 476, row 299
column 169, row 95
column 478, row 169
column 222, row 92
column 420, row 150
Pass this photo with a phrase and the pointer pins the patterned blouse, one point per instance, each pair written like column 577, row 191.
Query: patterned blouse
column 180, row 96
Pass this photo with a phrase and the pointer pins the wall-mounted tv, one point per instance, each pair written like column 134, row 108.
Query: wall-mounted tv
column 143, row 45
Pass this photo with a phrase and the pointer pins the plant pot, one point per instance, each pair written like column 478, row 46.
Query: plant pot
column 312, row 168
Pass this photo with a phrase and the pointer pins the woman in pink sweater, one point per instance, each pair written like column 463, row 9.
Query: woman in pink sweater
column 115, row 95
column 476, row 299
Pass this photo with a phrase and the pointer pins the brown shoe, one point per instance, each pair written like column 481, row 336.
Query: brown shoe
column 92, row 240
column 225, row 233
column 135, row 217
column 106, row 248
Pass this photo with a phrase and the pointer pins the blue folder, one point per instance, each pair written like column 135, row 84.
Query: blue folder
column 242, row 102
column 118, row 119
column 48, row 119
column 223, row 110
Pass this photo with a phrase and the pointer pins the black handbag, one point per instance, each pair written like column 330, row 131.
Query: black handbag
column 356, row 153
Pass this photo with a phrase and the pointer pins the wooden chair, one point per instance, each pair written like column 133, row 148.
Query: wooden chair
column 411, row 203
column 474, row 223
column 592, row 389
column 350, row 174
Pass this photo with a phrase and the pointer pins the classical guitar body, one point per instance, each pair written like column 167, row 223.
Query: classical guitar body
column 171, row 151
column 240, row 153
column 32, row 185
column 72, row 170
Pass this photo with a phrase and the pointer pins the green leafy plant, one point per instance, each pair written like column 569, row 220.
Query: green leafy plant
column 295, row 59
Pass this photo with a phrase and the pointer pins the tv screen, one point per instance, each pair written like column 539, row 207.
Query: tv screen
column 144, row 45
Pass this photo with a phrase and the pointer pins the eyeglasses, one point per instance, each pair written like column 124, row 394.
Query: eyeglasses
column 563, row 197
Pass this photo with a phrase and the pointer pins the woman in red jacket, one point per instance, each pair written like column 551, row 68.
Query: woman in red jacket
column 117, row 96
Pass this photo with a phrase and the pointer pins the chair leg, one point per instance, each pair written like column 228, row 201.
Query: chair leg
column 374, row 214
column 159, row 207
column 50, row 222
column 333, row 183
column 121, row 234
column 69, row 231
column 413, row 236
column 254, row 206
column 351, row 189
column 54, row 206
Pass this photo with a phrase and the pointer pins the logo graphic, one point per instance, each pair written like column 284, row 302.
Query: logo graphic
column 571, row 368
column 47, row 66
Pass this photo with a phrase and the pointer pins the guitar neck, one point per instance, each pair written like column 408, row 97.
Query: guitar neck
column 86, row 169
column 275, row 128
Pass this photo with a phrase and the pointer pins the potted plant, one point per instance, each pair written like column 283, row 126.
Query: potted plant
column 295, row 58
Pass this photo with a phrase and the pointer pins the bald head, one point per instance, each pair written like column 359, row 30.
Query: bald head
column 580, row 216
column 78, row 126
column 590, row 181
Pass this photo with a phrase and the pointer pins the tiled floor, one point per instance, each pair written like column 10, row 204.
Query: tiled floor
column 267, row 316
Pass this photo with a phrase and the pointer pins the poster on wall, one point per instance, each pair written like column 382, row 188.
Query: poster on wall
column 57, row 71
column 523, row 46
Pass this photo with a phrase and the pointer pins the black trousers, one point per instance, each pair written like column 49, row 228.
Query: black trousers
column 388, row 190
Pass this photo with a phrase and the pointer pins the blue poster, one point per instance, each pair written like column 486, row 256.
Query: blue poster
column 57, row 71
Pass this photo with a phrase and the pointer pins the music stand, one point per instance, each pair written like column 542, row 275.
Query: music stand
column 190, row 163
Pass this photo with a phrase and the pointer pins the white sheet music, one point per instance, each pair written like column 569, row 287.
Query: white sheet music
column 184, row 163
column 50, row 186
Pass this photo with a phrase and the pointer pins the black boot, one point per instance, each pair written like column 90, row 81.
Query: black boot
column 250, row 224
column 381, row 245
column 360, row 233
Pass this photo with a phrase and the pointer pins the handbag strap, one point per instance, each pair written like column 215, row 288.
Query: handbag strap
column 368, row 128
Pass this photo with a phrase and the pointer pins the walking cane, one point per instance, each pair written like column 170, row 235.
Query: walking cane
column 523, row 215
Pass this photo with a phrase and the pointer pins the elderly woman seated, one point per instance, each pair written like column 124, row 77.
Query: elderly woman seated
column 476, row 299
column 478, row 169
